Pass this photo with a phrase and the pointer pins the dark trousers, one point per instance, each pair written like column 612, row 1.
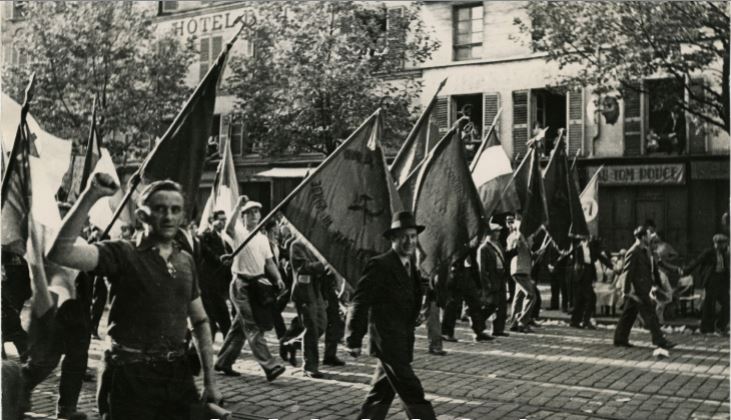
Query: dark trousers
column 717, row 290
column 465, row 292
column 585, row 298
column 500, row 309
column 629, row 314
column 146, row 391
column 391, row 379
column 63, row 332
column 335, row 329
column 558, row 289
column 215, row 306
column 12, row 330
column 98, row 302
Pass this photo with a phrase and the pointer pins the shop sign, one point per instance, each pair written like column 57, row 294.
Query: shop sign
column 709, row 170
column 650, row 174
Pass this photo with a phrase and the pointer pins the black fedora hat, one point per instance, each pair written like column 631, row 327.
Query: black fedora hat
column 403, row 220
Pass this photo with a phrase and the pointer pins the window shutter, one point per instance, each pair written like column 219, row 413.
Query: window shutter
column 575, row 112
column 216, row 46
column 396, row 36
column 223, row 135
column 632, row 120
column 520, row 122
column 440, row 115
column 205, row 54
column 696, row 128
column 490, row 106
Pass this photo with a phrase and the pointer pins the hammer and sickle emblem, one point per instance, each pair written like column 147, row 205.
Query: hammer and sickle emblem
column 361, row 204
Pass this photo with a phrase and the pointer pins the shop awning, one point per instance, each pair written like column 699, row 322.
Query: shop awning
column 285, row 172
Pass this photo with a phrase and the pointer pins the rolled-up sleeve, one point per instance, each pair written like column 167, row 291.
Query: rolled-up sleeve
column 113, row 258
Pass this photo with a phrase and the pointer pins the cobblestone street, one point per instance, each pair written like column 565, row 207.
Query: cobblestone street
column 557, row 373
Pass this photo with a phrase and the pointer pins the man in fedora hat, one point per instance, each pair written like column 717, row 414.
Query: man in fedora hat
column 494, row 275
column 387, row 301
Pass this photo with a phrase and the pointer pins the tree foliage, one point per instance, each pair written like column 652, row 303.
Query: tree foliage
column 320, row 68
column 616, row 44
column 109, row 49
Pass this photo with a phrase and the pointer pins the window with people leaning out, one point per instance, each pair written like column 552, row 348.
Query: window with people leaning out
column 470, row 130
column 665, row 117
column 548, row 110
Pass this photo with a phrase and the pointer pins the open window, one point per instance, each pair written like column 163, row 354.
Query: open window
column 548, row 110
column 665, row 117
column 470, row 132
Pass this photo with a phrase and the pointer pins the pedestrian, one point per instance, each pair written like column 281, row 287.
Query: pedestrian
column 463, row 289
column 585, row 255
column 386, row 302
column 252, row 293
column 494, row 274
column 335, row 317
column 639, row 269
column 519, row 251
column 430, row 313
column 713, row 267
column 215, row 275
column 15, row 291
column 155, row 287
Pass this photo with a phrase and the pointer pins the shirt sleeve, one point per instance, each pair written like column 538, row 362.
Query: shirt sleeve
column 195, row 288
column 114, row 258
column 266, row 248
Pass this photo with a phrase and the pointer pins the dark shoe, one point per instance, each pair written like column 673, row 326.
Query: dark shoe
column 575, row 325
column 284, row 351
column 274, row 373
column 226, row 371
column 525, row 329
column 483, row 337
column 333, row 361
column 73, row 415
column 625, row 344
column 449, row 338
column 292, row 356
column 501, row 334
column 515, row 328
column 667, row 345
column 589, row 326
column 438, row 352
column 315, row 374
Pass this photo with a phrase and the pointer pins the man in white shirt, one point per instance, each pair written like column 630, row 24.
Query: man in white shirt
column 520, row 268
column 252, row 268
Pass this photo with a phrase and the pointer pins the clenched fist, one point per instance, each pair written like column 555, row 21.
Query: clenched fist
column 102, row 185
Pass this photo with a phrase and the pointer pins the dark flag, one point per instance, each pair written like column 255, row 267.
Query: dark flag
column 422, row 138
column 345, row 205
column 528, row 184
column 180, row 154
column 448, row 205
column 579, row 225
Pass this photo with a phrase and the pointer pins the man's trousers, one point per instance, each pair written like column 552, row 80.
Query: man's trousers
column 647, row 311
column 390, row 379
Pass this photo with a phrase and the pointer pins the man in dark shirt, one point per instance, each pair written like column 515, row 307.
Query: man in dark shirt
column 146, row 374
column 215, row 274
column 713, row 265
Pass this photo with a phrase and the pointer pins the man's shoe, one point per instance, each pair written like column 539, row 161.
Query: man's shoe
column 333, row 361
column 449, row 338
column 575, row 325
column 274, row 373
column 437, row 352
column 284, row 351
column 226, row 371
column 667, row 345
column 293, row 356
column 500, row 334
column 525, row 329
column 483, row 337
column 623, row 344
column 315, row 374
column 73, row 415
column 589, row 326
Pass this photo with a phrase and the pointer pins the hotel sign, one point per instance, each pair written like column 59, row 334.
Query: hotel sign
column 212, row 23
column 649, row 174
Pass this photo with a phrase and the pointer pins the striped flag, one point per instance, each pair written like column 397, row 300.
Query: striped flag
column 492, row 172
column 225, row 189
column 590, row 203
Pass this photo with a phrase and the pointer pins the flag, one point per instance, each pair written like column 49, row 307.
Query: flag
column 407, row 188
column 101, row 213
column 556, row 180
column 225, row 189
column 448, row 204
column 528, row 184
column 422, row 138
column 492, row 172
column 579, row 227
column 180, row 154
column 590, row 203
column 343, row 207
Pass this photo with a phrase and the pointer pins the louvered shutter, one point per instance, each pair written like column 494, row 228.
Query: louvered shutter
column 632, row 120
column 575, row 112
column 204, row 59
column 490, row 106
column 696, row 129
column 521, row 127
column 441, row 114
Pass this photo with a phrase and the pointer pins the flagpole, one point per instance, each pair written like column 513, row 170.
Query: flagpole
column 137, row 176
column 86, row 172
column 416, row 126
column 304, row 182
column 576, row 156
column 484, row 140
column 15, row 150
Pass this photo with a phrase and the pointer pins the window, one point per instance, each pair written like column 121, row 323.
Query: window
column 169, row 6
column 468, row 32
column 236, row 131
column 665, row 118
column 210, row 48
column 17, row 10
column 549, row 110
column 470, row 132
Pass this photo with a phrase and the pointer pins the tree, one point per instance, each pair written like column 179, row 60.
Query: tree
column 320, row 68
column 616, row 44
column 109, row 49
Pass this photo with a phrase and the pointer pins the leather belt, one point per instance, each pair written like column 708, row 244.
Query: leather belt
column 131, row 354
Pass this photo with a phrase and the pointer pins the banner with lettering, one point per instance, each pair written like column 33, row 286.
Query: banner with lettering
column 345, row 205
column 448, row 204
